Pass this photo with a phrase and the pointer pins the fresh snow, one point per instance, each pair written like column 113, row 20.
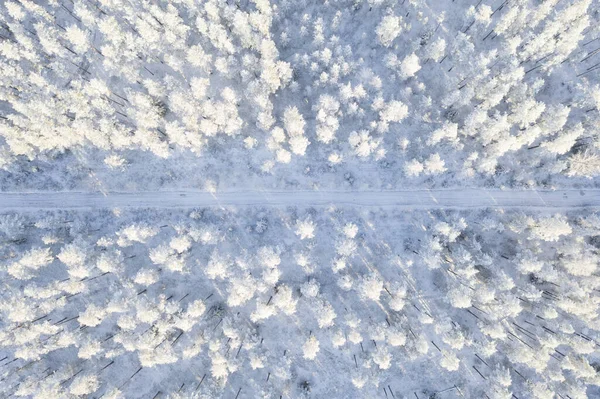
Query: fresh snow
column 404, row 199
column 300, row 199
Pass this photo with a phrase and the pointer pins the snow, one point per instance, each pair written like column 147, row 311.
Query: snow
column 397, row 199
column 235, row 327
column 294, row 199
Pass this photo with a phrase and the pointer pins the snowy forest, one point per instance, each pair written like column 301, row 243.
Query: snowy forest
column 224, row 224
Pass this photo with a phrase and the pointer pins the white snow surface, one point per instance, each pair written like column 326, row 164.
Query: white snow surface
column 303, row 199
column 397, row 199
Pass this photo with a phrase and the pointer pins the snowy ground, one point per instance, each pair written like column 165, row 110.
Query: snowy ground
column 407, row 199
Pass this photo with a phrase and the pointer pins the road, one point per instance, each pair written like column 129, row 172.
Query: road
column 408, row 199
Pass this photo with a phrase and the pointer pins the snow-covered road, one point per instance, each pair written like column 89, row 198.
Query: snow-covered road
column 408, row 199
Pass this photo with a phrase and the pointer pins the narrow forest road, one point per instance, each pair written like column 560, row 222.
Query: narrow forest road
column 409, row 199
